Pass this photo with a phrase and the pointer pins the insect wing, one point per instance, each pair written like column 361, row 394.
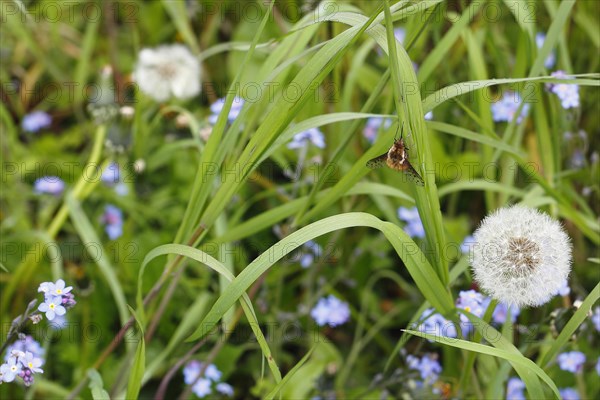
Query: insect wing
column 412, row 174
column 377, row 162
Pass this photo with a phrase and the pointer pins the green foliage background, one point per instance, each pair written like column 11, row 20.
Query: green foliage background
column 215, row 203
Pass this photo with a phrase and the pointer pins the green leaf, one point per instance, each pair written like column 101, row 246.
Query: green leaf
column 97, row 386
column 139, row 364
column 289, row 375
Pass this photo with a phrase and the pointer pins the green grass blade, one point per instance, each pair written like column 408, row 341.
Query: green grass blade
column 480, row 185
column 289, row 375
column 200, row 190
column 527, row 369
column 178, row 13
column 275, row 215
column 437, row 55
column 88, row 235
column 218, row 267
column 281, row 115
column 139, row 364
column 409, row 108
column 415, row 261
column 577, row 319
column 97, row 386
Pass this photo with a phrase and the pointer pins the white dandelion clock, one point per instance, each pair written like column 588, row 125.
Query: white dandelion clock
column 521, row 256
column 168, row 71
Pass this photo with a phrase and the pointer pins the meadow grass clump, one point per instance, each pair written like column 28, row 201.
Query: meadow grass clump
column 186, row 183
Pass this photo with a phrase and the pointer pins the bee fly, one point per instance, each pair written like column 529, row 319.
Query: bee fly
column 397, row 159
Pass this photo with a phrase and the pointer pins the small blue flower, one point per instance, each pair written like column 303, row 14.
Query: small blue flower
column 400, row 34
column 32, row 362
column 540, row 37
column 596, row 318
column 429, row 116
column 111, row 175
column 428, row 367
column 312, row 135
column 567, row 93
column 515, row 389
column 372, row 127
column 473, row 302
column 501, row 311
column 313, row 250
column 50, row 185
column 36, row 121
column 225, row 389
column 564, row 290
column 121, row 189
column 213, row 373
column 414, row 226
column 467, row 244
column 577, row 160
column 203, row 386
column 52, row 307
column 330, row 311
column 435, row 324
column 113, row 219
column 234, row 111
column 505, row 109
column 57, row 289
column 10, row 370
column 58, row 323
column 571, row 361
column 27, row 344
column 569, row 394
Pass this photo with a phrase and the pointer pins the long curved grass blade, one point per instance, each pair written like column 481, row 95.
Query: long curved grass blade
column 408, row 105
column 275, row 215
column 218, row 267
column 527, row 369
column 416, row 263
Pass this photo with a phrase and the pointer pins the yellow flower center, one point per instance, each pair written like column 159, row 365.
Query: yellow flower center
column 52, row 306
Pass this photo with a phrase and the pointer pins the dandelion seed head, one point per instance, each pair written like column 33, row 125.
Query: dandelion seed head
column 168, row 71
column 521, row 257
